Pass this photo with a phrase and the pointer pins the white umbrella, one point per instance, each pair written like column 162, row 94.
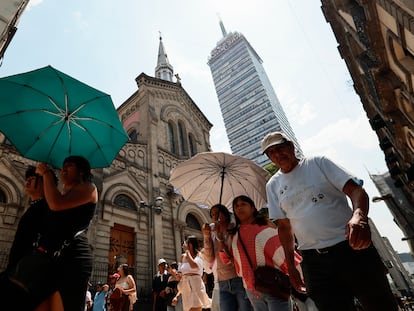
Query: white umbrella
column 210, row 178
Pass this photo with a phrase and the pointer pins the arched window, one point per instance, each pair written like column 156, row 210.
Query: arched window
column 182, row 140
column 123, row 200
column 133, row 135
column 193, row 147
column 192, row 222
column 2, row 196
column 171, row 137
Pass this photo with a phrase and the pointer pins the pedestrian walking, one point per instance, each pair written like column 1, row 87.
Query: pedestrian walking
column 308, row 198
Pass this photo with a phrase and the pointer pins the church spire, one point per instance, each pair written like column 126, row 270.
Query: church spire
column 163, row 70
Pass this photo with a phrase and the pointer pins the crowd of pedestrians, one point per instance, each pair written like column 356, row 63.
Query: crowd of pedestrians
column 311, row 234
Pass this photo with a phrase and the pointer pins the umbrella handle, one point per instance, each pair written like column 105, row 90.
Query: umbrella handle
column 222, row 183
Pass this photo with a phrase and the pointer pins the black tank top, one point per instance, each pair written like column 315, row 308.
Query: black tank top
column 64, row 225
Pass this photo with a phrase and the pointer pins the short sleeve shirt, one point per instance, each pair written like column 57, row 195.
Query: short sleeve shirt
column 311, row 197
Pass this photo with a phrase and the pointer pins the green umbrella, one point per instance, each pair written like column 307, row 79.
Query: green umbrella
column 48, row 115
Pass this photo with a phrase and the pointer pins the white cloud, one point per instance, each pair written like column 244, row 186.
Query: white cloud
column 33, row 3
column 80, row 21
column 298, row 112
column 219, row 142
column 305, row 114
column 345, row 133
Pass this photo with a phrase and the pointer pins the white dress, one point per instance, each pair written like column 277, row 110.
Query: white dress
column 192, row 287
column 132, row 297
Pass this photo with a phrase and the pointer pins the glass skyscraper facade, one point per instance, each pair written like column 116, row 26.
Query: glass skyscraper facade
column 248, row 103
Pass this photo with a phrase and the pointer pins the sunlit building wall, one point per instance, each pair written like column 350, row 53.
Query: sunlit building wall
column 376, row 40
column 10, row 13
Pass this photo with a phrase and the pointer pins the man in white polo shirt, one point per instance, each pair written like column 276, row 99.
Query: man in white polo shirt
column 308, row 197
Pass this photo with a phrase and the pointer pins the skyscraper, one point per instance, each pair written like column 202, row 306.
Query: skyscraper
column 248, row 103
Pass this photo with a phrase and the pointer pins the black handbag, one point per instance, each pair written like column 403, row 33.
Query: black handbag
column 269, row 280
column 33, row 273
column 272, row 281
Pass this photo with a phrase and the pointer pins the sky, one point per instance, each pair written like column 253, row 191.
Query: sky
column 107, row 44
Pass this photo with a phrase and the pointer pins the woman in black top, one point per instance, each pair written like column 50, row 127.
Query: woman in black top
column 32, row 222
column 72, row 212
column 171, row 289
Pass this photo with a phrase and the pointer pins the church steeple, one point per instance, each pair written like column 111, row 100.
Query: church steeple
column 163, row 70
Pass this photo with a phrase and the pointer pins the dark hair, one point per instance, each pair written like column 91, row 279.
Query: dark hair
column 259, row 219
column 31, row 171
column 222, row 209
column 125, row 268
column 82, row 164
column 174, row 265
column 192, row 239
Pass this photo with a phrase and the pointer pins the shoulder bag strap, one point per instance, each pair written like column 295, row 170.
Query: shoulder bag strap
column 244, row 249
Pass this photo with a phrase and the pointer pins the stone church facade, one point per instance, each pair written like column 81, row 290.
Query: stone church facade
column 139, row 217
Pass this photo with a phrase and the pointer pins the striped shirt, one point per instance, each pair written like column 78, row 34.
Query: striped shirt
column 264, row 248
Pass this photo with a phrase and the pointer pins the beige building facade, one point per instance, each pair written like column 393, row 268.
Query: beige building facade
column 10, row 13
column 376, row 40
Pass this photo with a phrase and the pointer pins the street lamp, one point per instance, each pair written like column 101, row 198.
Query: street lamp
column 155, row 206
column 382, row 198
column 402, row 280
column 397, row 211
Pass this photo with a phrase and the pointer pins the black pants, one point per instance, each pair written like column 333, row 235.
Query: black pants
column 74, row 270
column 336, row 275
column 12, row 296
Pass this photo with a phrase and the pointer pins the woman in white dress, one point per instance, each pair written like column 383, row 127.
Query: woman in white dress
column 126, row 284
column 191, row 286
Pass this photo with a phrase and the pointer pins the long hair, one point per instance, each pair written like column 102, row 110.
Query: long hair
column 222, row 209
column 259, row 219
column 82, row 164
column 125, row 268
column 31, row 171
column 192, row 239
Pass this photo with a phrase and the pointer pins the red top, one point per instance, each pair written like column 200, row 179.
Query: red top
column 264, row 248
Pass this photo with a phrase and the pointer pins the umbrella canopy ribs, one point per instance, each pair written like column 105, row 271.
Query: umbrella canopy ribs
column 48, row 115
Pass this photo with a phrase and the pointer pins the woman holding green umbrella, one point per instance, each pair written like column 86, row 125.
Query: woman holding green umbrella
column 72, row 212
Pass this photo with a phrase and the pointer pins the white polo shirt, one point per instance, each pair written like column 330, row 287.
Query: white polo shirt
column 311, row 197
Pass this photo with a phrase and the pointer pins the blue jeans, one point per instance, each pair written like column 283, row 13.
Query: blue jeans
column 265, row 302
column 233, row 296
